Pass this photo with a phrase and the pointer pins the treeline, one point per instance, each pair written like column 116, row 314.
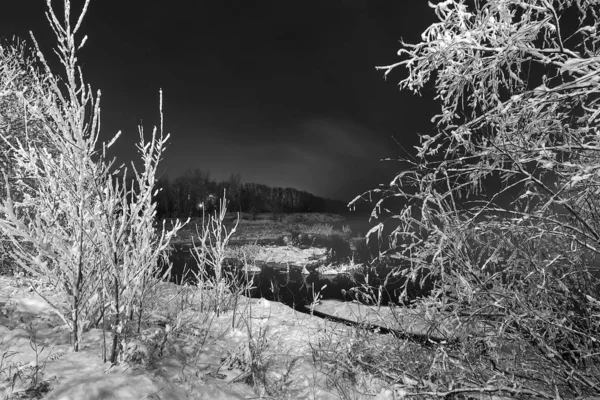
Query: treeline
column 194, row 192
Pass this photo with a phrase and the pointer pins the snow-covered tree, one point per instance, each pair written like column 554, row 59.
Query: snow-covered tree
column 503, row 197
column 20, row 78
column 75, row 229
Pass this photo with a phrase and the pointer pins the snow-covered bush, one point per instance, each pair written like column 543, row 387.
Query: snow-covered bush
column 501, row 200
column 218, row 288
column 90, row 238
column 20, row 80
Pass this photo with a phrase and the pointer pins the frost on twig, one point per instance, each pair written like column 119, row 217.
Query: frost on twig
column 73, row 226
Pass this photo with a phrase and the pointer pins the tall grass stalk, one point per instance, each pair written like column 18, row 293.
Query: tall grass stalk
column 209, row 254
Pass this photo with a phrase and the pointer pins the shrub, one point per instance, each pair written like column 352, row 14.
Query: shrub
column 87, row 236
column 501, row 201
column 218, row 287
column 20, row 80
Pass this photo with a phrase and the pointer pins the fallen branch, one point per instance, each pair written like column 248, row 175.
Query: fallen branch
column 487, row 390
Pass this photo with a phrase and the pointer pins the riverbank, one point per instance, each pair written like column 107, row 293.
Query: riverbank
column 212, row 340
column 185, row 348
column 263, row 227
column 257, row 348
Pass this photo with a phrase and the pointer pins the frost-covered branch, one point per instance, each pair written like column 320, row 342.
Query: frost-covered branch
column 501, row 200
column 75, row 228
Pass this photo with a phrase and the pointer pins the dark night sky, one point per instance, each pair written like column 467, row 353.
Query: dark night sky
column 283, row 92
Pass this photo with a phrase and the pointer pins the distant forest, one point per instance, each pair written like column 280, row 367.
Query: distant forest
column 194, row 191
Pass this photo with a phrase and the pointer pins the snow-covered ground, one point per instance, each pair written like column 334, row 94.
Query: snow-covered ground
column 291, row 255
column 262, row 350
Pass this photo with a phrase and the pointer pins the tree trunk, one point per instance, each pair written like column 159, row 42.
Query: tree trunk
column 115, row 333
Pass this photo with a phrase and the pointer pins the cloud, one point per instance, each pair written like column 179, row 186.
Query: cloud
column 341, row 137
